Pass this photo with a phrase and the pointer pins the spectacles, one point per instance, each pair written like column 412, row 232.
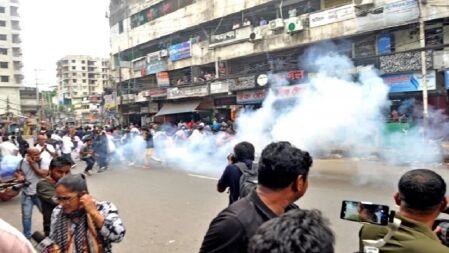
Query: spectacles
column 63, row 200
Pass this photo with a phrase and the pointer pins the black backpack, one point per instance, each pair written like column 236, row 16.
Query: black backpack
column 248, row 180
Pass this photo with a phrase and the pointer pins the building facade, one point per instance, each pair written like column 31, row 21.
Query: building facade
column 10, row 57
column 172, row 57
column 81, row 83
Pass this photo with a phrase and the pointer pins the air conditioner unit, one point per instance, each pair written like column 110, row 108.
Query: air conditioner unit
column 256, row 34
column 294, row 25
column 358, row 3
column 276, row 24
column 164, row 53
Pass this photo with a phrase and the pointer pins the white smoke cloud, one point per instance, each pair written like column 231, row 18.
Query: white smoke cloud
column 332, row 112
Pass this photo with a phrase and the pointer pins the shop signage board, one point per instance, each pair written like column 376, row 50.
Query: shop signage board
column 243, row 83
column 409, row 82
column 387, row 15
column 195, row 91
column 215, row 39
column 153, row 108
column 157, row 93
column 163, row 79
column 332, row 15
column 156, row 66
column 251, row 97
column 219, row 87
column 288, row 78
column 109, row 101
column 180, row 51
column 289, row 91
column 153, row 57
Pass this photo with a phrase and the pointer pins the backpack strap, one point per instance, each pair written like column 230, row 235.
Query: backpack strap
column 241, row 166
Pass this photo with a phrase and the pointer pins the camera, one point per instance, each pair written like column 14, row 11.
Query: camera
column 366, row 212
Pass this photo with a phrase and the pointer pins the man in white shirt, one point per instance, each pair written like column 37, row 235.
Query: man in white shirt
column 7, row 148
column 47, row 152
column 67, row 147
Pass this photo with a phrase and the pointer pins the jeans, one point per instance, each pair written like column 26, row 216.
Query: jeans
column 68, row 157
column 28, row 201
column 103, row 160
column 90, row 161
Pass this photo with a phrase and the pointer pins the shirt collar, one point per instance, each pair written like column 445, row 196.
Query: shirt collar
column 416, row 226
column 260, row 206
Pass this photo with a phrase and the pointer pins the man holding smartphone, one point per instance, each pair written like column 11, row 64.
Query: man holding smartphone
column 421, row 198
column 29, row 170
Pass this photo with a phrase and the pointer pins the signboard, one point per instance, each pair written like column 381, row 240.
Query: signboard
column 251, row 97
column 180, row 51
column 243, row 83
column 157, row 93
column 409, row 82
column 404, row 62
column 289, row 91
column 387, row 15
column 196, row 91
column 384, row 43
column 163, row 79
column 153, row 108
column 139, row 63
column 153, row 57
column 222, row 37
column 141, row 97
column 156, row 66
column 219, row 87
column 446, row 79
column 332, row 15
column 288, row 78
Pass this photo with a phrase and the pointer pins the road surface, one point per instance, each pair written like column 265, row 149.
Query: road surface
column 167, row 210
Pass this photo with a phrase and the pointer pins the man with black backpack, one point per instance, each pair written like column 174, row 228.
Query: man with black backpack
column 282, row 180
column 239, row 175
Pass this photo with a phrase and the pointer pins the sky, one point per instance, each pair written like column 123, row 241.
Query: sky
column 52, row 29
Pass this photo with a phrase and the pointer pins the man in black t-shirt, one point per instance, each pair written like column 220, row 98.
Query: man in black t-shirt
column 282, row 179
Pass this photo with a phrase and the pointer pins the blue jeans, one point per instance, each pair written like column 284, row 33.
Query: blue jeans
column 28, row 201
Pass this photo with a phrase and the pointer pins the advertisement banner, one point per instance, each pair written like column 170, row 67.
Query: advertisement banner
column 332, row 15
column 163, row 79
column 251, row 97
column 109, row 101
column 409, row 82
column 288, row 78
column 289, row 91
column 157, row 93
column 387, row 15
column 219, row 87
column 156, row 66
column 196, row 91
column 180, row 51
column 243, row 83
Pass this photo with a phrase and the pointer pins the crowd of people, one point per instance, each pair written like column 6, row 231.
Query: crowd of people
column 261, row 217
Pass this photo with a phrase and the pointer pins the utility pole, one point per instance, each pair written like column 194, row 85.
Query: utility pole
column 422, row 42
column 37, row 94
column 7, row 109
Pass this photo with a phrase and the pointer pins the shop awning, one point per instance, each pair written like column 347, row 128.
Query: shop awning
column 180, row 107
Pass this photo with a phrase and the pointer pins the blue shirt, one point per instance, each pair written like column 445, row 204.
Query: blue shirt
column 231, row 178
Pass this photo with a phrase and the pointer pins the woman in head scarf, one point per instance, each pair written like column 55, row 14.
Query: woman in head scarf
column 79, row 223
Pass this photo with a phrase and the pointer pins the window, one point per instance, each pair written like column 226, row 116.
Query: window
column 73, row 67
column 83, row 61
column 120, row 26
column 73, row 61
column 73, row 74
column 2, row 9
column 3, row 51
column 2, row 23
column 3, row 65
column 84, row 74
column 83, row 68
column 84, row 80
column 3, row 37
column 4, row 79
column 74, row 80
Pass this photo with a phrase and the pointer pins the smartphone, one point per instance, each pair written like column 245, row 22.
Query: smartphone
column 365, row 212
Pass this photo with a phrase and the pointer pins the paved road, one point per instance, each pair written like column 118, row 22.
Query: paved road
column 168, row 210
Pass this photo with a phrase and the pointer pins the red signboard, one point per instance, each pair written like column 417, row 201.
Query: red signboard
column 158, row 92
column 289, row 91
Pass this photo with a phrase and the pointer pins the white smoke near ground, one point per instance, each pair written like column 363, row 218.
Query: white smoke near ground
column 333, row 111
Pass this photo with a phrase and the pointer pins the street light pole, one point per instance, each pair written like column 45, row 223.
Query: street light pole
column 422, row 42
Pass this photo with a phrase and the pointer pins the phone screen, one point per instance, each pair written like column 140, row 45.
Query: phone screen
column 364, row 212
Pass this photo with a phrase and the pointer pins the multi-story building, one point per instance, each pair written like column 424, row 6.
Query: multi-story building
column 81, row 83
column 172, row 57
column 10, row 57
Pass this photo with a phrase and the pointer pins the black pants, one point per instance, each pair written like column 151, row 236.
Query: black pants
column 68, row 157
column 90, row 161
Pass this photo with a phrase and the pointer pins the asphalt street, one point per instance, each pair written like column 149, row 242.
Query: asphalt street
column 168, row 210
